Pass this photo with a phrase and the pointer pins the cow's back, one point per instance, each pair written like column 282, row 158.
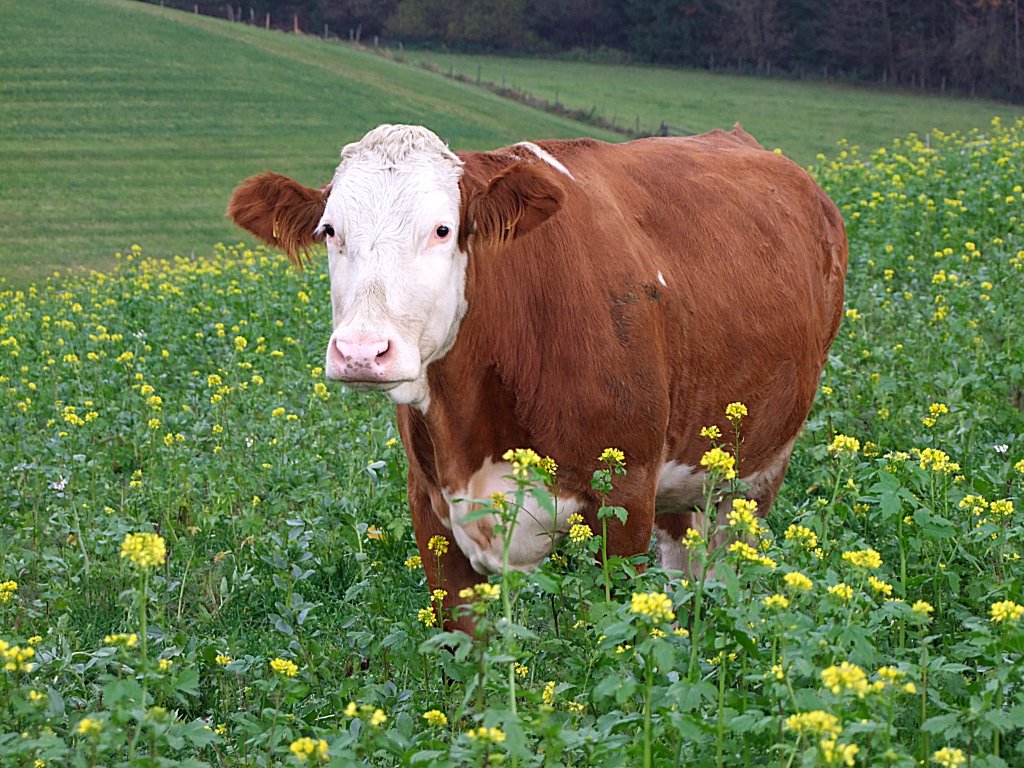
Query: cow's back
column 722, row 266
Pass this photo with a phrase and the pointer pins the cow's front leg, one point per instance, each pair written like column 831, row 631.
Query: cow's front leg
column 446, row 566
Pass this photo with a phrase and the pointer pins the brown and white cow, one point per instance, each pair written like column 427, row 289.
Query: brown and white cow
column 569, row 296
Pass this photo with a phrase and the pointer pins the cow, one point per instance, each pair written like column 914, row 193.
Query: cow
column 569, row 296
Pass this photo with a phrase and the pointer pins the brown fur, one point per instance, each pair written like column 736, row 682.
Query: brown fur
column 280, row 212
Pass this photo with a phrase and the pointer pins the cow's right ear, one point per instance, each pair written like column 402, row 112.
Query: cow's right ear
column 280, row 212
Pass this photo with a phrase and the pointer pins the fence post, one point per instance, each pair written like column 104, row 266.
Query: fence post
column 295, row 23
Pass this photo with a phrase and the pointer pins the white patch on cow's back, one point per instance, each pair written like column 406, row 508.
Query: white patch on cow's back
column 535, row 534
column 661, row 279
column 546, row 156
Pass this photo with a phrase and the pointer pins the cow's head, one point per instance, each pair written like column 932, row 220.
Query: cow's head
column 399, row 219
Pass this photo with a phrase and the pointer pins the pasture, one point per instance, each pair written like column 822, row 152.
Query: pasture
column 273, row 610
column 698, row 101
column 128, row 123
column 276, row 613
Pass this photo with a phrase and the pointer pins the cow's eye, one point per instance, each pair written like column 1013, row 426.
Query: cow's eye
column 328, row 230
column 442, row 232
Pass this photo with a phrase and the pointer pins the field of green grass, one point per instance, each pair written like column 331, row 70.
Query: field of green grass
column 802, row 118
column 206, row 557
column 127, row 123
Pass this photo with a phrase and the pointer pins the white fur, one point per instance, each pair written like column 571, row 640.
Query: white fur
column 388, row 280
column 546, row 156
column 535, row 532
column 661, row 279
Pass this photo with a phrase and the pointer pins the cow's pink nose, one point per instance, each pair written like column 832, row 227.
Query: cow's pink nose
column 362, row 359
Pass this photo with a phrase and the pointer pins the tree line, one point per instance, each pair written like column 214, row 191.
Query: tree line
column 972, row 46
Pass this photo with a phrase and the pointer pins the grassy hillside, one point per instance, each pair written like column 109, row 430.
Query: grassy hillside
column 124, row 123
column 803, row 118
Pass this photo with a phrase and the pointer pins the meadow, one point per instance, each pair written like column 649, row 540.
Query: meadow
column 124, row 122
column 206, row 557
column 803, row 118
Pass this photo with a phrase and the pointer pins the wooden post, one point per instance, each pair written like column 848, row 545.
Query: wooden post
column 295, row 23
column 266, row 21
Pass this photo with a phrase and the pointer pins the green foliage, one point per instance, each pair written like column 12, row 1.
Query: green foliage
column 874, row 618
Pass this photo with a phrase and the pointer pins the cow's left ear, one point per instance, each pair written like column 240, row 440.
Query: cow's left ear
column 515, row 201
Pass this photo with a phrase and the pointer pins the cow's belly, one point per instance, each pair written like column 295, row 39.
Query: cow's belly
column 534, row 535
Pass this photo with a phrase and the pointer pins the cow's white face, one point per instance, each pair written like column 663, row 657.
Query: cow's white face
column 397, row 275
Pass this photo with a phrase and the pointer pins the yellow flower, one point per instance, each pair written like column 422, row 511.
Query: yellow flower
column 164, row 664
column 89, row 726
column 922, row 610
column 548, row 695
column 937, row 461
column 844, row 444
column 580, row 533
column 1006, row 611
column 144, row 550
column 436, row 718
column 845, row 677
column 803, row 536
column 692, row 538
column 838, row 754
column 776, row 601
column 414, row 562
column 797, row 581
column 378, row 718
column 613, row 456
column 656, row 606
column 223, row 659
column 427, row 617
column 127, row 640
column 439, row 595
column 816, row 721
column 880, row 586
column 711, row 433
column 863, row 558
column 843, row 591
column 7, row 590
column 735, row 411
column 351, row 710
column 486, row 735
column 306, row 747
column 522, row 459
column 719, row 462
column 438, row 545
column 949, row 757
column 743, row 516
column 481, row 593
column 746, row 552
column 284, row 667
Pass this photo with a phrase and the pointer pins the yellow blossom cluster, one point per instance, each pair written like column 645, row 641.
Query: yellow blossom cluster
column 371, row 714
column 803, row 536
column 743, row 517
column 305, row 748
column 845, row 676
column 844, row 445
column 438, row 545
column 144, row 550
column 936, row 460
column 7, row 590
column 718, row 462
column 816, row 721
column 1006, row 611
column 17, row 658
column 436, row 718
column 655, row 606
column 284, row 667
column 868, row 559
column 798, row 582
column 486, row 735
column 734, row 412
column 747, row 553
column 522, row 460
